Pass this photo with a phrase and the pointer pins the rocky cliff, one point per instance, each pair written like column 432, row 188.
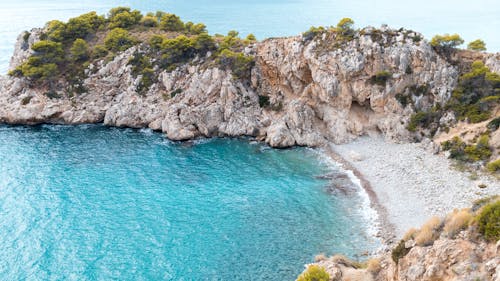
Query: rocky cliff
column 301, row 92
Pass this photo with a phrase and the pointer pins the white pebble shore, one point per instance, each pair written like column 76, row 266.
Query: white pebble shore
column 412, row 183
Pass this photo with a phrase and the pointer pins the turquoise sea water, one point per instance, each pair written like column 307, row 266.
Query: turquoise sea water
column 95, row 203
column 264, row 18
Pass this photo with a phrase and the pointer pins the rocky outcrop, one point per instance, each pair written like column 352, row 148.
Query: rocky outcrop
column 318, row 91
column 447, row 259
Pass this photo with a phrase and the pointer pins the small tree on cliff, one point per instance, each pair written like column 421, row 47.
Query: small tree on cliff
column 477, row 45
column 345, row 28
column 447, row 41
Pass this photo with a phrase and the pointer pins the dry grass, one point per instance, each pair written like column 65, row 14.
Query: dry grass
column 428, row 232
column 457, row 221
column 410, row 234
column 373, row 266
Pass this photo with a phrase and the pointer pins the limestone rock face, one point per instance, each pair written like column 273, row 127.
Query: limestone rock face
column 22, row 49
column 317, row 91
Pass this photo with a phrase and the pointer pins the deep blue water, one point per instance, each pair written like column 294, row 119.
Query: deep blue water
column 96, row 203
column 265, row 18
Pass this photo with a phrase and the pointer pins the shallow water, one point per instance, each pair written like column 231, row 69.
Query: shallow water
column 264, row 18
column 96, row 203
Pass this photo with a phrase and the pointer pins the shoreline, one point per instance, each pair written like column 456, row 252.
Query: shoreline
column 386, row 229
column 395, row 174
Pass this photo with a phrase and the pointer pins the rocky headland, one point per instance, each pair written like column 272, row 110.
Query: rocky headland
column 324, row 88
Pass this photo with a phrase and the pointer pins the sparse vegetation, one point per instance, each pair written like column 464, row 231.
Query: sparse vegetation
column 459, row 150
column 489, row 221
column 477, row 45
column 494, row 166
column 447, row 41
column 314, row 273
column 373, row 266
column 477, row 93
column 399, row 251
column 428, row 232
column 381, row 78
column 66, row 49
column 423, row 119
column 457, row 221
column 239, row 63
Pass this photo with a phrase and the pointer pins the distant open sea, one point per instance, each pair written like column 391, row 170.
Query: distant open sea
column 269, row 18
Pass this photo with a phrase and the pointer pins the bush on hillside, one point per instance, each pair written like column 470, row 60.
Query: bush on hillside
column 476, row 94
column 399, row 251
column 428, row 232
column 489, row 221
column 43, row 64
column 80, row 50
column 149, row 21
column 171, row 22
column 239, row 64
column 477, row 45
column 456, row 222
column 447, row 41
column 494, row 166
column 123, row 17
column 118, row 39
column 381, row 77
column 314, row 273
column 82, row 26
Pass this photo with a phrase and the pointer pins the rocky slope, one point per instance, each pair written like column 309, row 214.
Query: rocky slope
column 317, row 90
column 450, row 248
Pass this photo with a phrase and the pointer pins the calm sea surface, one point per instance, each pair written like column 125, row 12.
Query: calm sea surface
column 265, row 18
column 96, row 203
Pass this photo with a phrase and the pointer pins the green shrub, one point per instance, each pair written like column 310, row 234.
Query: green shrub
column 176, row 50
column 314, row 273
column 477, row 45
column 312, row 32
column 55, row 30
column 149, row 21
column 43, row 64
column 175, row 92
column 123, row 17
column 239, row 64
column 489, row 221
column 82, row 26
column 195, row 29
column 480, row 151
column 403, row 99
column 493, row 166
column 447, row 41
column 476, row 94
column 422, row 119
column 118, row 39
column 204, row 43
column 156, row 41
column 381, row 78
column 345, row 29
column 80, row 50
column 141, row 65
column 99, row 51
column 171, row 22
column 399, row 251
column 494, row 124
column 264, row 101
column 26, row 100
column 471, row 153
column 251, row 38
